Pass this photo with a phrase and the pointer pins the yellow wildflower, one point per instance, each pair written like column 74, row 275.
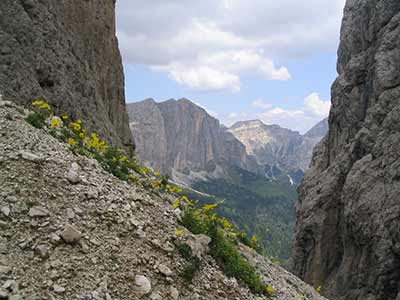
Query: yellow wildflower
column 270, row 289
column 254, row 239
column 64, row 117
column 41, row 104
column 176, row 204
column 209, row 207
column 179, row 232
column 318, row 289
column 55, row 123
column 82, row 135
column 75, row 126
column 71, row 142
column 38, row 103
column 123, row 159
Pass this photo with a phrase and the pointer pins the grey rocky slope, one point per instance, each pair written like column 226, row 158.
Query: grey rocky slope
column 70, row 230
column 179, row 135
column 276, row 146
column 347, row 235
column 66, row 53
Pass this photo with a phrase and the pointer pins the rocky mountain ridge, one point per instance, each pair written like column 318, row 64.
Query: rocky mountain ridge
column 177, row 136
column 67, row 54
column 273, row 145
column 347, row 235
column 71, row 230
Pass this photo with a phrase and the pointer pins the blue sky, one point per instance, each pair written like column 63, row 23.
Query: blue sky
column 239, row 59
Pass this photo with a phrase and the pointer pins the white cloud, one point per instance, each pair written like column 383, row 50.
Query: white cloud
column 316, row 106
column 259, row 103
column 204, row 78
column 313, row 111
column 302, row 119
column 230, row 37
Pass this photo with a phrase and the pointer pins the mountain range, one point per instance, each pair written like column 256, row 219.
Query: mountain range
column 182, row 140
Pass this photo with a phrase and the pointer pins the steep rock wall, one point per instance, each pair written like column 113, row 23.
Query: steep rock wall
column 65, row 52
column 179, row 135
column 348, row 228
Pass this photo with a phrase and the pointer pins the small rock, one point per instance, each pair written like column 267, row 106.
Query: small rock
column 58, row 289
column 30, row 156
column 174, row 293
column 3, row 295
column 11, row 285
column 141, row 234
column 42, row 251
column 142, row 285
column 38, row 211
column 92, row 194
column 164, row 270
column 15, row 297
column 54, row 238
column 199, row 244
column 70, row 213
column 71, row 234
column 5, row 270
column 73, row 174
column 155, row 296
column 6, row 210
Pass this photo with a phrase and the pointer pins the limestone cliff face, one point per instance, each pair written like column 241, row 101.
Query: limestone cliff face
column 182, row 136
column 276, row 146
column 65, row 52
column 348, row 228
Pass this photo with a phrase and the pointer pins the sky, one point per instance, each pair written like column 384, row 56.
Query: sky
column 238, row 59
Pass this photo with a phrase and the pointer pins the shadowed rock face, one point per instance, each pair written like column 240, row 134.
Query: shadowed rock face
column 65, row 52
column 348, row 214
column 182, row 136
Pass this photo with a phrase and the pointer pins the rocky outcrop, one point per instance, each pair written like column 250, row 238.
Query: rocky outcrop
column 273, row 145
column 99, row 237
column 179, row 135
column 65, row 52
column 347, row 235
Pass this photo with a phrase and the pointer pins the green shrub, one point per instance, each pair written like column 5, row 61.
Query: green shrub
column 41, row 111
column 190, row 270
column 223, row 249
column 192, row 265
column 233, row 263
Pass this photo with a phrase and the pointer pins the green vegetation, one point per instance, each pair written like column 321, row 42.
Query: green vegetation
column 42, row 111
column 193, row 263
column 223, row 245
column 256, row 206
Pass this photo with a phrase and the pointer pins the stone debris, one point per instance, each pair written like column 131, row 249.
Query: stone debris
column 73, row 174
column 65, row 240
column 38, row 211
column 71, row 234
column 142, row 285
